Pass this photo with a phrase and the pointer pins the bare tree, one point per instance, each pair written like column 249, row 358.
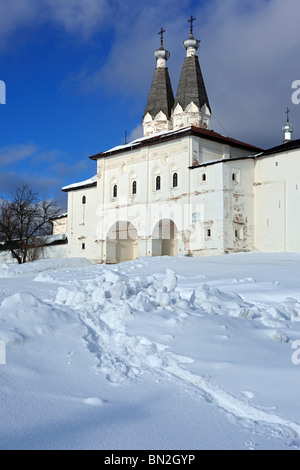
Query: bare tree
column 25, row 220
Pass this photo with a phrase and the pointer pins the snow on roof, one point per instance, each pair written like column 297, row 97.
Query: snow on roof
column 285, row 147
column 221, row 160
column 142, row 139
column 61, row 216
column 81, row 184
column 205, row 133
column 49, row 239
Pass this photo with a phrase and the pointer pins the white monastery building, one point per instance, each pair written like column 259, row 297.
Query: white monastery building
column 183, row 189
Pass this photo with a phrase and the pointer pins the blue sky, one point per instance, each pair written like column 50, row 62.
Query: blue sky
column 78, row 73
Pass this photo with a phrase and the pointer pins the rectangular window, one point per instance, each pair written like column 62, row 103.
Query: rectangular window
column 237, row 234
column 134, row 187
column 157, row 183
column 235, row 176
column 83, row 246
column 208, row 233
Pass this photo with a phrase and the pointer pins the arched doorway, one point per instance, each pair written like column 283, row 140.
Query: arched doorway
column 121, row 242
column 164, row 238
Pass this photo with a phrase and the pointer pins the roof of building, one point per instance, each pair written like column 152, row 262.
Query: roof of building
column 61, row 216
column 291, row 145
column 165, row 136
column 221, row 160
column 161, row 97
column 287, row 146
column 191, row 85
column 82, row 184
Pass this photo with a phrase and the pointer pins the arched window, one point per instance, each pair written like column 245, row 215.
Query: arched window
column 157, row 183
column 175, row 180
column 83, row 199
column 134, row 186
column 115, row 191
column 203, row 177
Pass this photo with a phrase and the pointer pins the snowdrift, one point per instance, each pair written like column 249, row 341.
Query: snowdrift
column 173, row 353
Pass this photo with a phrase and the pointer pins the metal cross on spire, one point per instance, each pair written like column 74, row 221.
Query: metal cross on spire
column 191, row 20
column 161, row 33
column 288, row 114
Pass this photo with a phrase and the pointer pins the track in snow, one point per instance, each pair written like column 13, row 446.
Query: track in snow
column 105, row 310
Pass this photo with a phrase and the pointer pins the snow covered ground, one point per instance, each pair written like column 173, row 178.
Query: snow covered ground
column 158, row 353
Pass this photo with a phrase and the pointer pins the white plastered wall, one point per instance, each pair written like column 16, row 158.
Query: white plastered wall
column 277, row 202
column 202, row 211
column 82, row 224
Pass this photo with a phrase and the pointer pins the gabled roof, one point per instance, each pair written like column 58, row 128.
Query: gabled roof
column 83, row 184
column 221, row 160
column 166, row 136
column 292, row 145
column 283, row 148
column 191, row 85
column 161, row 97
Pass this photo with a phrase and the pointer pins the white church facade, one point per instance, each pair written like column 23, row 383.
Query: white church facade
column 183, row 189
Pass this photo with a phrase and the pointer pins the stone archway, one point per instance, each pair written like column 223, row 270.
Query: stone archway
column 121, row 242
column 164, row 238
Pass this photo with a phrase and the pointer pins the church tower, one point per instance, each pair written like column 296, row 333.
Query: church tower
column 191, row 106
column 157, row 115
column 288, row 129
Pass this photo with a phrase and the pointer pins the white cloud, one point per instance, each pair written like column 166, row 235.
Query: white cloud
column 249, row 62
column 14, row 14
column 248, row 54
column 45, row 170
column 130, row 64
column 16, row 153
column 136, row 133
column 81, row 17
column 78, row 17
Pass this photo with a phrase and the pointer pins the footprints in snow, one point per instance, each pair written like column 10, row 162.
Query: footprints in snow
column 121, row 356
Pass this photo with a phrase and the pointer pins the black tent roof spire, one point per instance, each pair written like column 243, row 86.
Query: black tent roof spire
column 161, row 97
column 191, row 86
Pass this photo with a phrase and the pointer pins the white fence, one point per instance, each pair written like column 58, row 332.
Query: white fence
column 47, row 252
